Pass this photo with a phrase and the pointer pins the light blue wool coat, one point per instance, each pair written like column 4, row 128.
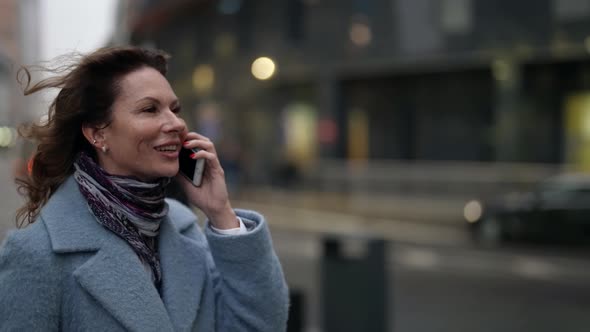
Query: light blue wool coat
column 66, row 272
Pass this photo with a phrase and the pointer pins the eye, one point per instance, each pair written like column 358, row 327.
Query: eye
column 177, row 109
column 151, row 109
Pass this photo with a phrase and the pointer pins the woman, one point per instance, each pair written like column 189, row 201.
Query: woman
column 105, row 250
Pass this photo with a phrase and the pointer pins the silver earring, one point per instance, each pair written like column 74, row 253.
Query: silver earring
column 93, row 141
column 104, row 148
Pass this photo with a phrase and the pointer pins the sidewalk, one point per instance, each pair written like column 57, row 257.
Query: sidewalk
column 358, row 216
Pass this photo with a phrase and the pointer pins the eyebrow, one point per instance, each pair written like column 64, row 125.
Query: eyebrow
column 176, row 102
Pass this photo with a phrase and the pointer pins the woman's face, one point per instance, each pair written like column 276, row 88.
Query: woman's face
column 146, row 132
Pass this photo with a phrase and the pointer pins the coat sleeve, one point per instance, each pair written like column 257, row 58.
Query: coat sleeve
column 252, row 294
column 29, row 296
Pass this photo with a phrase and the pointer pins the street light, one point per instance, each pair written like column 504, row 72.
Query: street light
column 263, row 68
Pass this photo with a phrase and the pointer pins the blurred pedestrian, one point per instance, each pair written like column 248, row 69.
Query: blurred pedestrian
column 105, row 250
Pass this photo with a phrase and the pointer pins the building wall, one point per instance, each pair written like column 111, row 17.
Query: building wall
column 9, row 54
column 423, row 79
column 9, row 32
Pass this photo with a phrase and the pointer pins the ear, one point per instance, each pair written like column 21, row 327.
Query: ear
column 93, row 134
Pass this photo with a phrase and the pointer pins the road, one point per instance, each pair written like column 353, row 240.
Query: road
column 457, row 288
column 436, row 279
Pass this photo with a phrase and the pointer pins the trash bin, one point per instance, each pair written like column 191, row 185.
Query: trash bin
column 296, row 307
column 354, row 286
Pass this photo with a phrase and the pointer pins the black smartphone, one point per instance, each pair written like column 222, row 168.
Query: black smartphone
column 191, row 168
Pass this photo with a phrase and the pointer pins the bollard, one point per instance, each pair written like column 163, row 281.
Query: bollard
column 354, row 287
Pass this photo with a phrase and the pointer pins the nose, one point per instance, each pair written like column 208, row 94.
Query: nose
column 174, row 123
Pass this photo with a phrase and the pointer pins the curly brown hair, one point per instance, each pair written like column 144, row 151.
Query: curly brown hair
column 89, row 86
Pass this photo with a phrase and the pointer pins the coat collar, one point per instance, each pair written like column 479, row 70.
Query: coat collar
column 115, row 277
column 72, row 227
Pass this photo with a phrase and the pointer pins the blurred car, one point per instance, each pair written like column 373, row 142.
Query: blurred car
column 558, row 209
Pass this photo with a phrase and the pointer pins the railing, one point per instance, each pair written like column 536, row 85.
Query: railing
column 426, row 178
column 433, row 191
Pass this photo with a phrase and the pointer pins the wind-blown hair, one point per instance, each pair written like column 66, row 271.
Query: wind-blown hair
column 89, row 85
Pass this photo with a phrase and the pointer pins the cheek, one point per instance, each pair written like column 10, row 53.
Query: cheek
column 184, row 129
column 144, row 138
column 183, row 135
column 141, row 145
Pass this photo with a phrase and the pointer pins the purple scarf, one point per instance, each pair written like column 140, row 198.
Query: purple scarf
column 130, row 208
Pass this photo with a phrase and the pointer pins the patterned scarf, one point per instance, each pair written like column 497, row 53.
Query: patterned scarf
column 130, row 208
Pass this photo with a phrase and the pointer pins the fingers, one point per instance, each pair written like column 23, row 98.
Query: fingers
column 192, row 136
column 206, row 149
column 211, row 158
column 194, row 140
column 201, row 144
column 199, row 136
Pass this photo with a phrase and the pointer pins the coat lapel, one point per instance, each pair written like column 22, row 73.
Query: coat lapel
column 184, row 272
column 114, row 276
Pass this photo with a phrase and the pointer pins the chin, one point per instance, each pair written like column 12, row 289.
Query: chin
column 165, row 172
column 172, row 172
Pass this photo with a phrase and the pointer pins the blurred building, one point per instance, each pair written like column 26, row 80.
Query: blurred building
column 9, row 29
column 410, row 80
column 9, row 53
column 19, row 45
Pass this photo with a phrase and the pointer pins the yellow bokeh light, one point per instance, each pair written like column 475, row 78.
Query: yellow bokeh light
column 14, row 138
column 5, row 137
column 502, row 70
column 587, row 43
column 473, row 211
column 225, row 45
column 203, row 78
column 263, row 68
column 360, row 34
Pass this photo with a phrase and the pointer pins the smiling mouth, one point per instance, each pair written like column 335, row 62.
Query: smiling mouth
column 167, row 148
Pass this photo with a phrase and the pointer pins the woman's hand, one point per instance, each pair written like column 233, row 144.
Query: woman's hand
column 212, row 196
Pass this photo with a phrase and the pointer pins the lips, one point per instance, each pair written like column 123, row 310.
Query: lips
column 167, row 148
